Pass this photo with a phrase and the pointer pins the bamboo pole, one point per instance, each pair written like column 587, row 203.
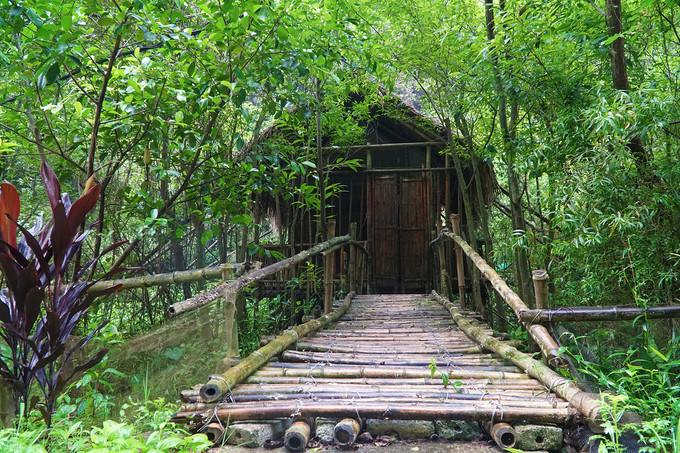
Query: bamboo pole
column 386, row 372
column 259, row 274
column 346, row 432
column 214, row 432
column 177, row 277
column 329, row 271
column 584, row 402
column 352, row 271
column 471, row 411
column 460, row 265
column 218, row 386
column 541, row 277
column 503, row 434
column 540, row 334
column 614, row 313
column 230, row 331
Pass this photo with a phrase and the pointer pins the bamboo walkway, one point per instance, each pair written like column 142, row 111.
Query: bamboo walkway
column 376, row 362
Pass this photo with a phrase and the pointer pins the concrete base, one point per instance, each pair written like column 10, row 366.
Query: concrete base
column 404, row 429
column 324, row 430
column 538, row 437
column 255, row 434
column 457, row 429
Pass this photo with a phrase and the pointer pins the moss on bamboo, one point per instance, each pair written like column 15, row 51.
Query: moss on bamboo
column 582, row 401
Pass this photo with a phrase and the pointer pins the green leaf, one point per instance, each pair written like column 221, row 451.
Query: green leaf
column 15, row 11
column 150, row 36
column 66, row 19
column 239, row 97
column 106, row 21
column 33, row 17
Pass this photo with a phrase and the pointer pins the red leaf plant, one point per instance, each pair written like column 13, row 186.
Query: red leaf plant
column 39, row 305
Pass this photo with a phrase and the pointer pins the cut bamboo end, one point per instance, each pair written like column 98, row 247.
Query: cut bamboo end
column 346, row 432
column 214, row 432
column 297, row 436
column 503, row 434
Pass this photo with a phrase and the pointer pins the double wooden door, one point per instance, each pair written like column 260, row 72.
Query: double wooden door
column 399, row 225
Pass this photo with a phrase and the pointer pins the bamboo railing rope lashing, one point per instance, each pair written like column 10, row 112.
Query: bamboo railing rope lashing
column 549, row 347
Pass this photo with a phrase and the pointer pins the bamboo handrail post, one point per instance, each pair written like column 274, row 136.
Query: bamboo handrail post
column 328, row 271
column 541, row 277
column 230, row 330
column 443, row 274
column 351, row 272
column 460, row 264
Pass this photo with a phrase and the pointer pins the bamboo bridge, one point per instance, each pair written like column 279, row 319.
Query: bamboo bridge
column 417, row 357
column 382, row 357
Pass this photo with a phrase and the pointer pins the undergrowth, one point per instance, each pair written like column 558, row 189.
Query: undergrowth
column 644, row 379
column 135, row 426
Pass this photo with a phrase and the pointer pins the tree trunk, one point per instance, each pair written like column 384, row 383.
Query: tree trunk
column 522, row 274
column 501, row 321
column 469, row 222
column 617, row 54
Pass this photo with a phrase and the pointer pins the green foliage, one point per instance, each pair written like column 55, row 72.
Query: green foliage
column 150, row 433
column 42, row 304
column 642, row 379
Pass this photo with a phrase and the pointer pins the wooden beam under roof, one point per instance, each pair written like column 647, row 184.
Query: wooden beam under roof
column 385, row 146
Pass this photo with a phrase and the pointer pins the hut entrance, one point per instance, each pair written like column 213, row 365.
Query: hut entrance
column 399, row 228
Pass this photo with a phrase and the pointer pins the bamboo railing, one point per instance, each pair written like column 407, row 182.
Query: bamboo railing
column 223, row 271
column 238, row 284
column 585, row 403
column 548, row 346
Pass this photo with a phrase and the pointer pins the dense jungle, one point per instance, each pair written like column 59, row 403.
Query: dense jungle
column 194, row 133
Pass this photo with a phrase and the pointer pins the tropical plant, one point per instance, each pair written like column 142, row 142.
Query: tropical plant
column 43, row 302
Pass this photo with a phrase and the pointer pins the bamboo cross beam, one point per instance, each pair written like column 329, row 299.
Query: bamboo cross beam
column 540, row 334
column 259, row 274
column 614, row 313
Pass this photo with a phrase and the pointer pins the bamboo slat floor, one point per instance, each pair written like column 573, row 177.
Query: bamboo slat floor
column 375, row 363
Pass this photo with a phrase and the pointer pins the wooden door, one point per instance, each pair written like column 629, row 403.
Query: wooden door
column 383, row 226
column 398, row 226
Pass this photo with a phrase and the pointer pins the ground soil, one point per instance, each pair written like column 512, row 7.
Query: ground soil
column 393, row 447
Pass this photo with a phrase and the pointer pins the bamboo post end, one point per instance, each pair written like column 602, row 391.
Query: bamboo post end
column 502, row 433
column 297, row 436
column 346, row 432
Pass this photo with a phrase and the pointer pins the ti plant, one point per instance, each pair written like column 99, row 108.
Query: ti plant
column 40, row 305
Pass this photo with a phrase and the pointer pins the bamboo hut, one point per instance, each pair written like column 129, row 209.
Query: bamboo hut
column 399, row 194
